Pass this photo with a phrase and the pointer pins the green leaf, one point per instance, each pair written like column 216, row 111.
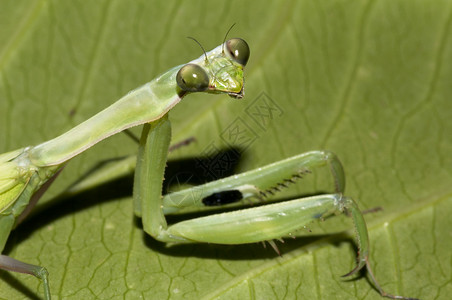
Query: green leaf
column 369, row 80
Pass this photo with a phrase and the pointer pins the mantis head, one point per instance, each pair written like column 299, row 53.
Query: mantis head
column 219, row 71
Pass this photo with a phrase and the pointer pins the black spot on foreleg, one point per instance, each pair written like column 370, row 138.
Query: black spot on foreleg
column 222, row 198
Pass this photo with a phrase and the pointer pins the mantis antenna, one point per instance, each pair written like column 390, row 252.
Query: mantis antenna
column 204, row 51
column 226, row 35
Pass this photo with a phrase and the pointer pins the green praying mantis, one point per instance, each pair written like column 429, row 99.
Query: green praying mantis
column 26, row 173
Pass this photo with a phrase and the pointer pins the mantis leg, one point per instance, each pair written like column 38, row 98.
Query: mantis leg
column 261, row 182
column 274, row 221
column 149, row 172
column 256, row 224
column 11, row 264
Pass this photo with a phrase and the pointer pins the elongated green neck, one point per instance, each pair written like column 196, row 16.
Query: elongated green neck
column 142, row 105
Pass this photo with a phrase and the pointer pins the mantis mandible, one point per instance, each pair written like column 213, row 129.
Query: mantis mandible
column 27, row 172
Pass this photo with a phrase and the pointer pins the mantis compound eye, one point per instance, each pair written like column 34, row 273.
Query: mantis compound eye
column 192, row 78
column 239, row 50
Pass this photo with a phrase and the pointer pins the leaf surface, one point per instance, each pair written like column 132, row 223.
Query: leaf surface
column 369, row 80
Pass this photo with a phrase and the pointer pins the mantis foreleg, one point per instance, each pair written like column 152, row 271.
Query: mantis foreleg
column 255, row 224
column 151, row 163
column 261, row 182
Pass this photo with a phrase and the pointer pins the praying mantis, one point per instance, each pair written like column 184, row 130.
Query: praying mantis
column 26, row 173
